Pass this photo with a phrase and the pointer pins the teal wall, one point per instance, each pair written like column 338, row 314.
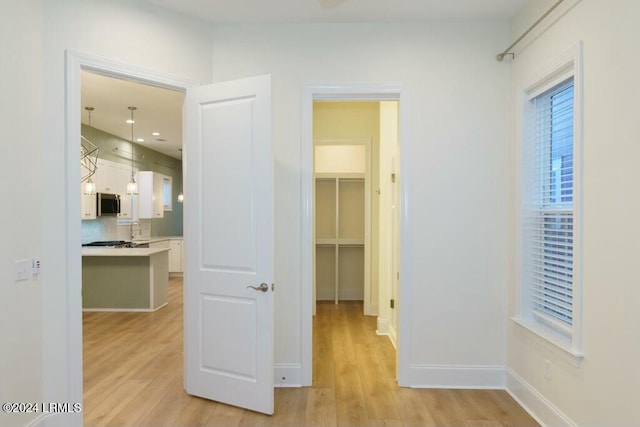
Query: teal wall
column 116, row 149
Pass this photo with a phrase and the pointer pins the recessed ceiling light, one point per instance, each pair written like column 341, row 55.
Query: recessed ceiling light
column 130, row 121
column 155, row 133
column 140, row 139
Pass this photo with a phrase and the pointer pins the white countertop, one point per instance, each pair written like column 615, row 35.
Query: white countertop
column 103, row 251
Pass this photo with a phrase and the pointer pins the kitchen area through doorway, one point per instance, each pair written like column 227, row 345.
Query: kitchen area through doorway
column 131, row 229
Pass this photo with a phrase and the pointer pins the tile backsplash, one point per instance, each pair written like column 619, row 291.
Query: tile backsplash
column 107, row 228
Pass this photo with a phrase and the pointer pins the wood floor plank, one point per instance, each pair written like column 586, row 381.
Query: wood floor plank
column 321, row 408
column 290, row 407
column 225, row 415
column 196, row 412
column 413, row 408
column 133, row 376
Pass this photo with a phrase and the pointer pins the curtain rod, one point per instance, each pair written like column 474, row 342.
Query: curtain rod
column 501, row 56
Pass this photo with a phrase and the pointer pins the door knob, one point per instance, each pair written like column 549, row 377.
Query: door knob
column 262, row 288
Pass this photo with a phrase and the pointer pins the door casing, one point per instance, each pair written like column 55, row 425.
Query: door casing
column 76, row 62
column 351, row 92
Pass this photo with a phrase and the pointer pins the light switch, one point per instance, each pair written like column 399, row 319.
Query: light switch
column 35, row 266
column 21, row 269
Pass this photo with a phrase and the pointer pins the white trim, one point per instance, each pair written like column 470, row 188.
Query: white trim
column 125, row 310
column 39, row 421
column 541, row 409
column 56, row 419
column 457, row 376
column 287, row 375
column 75, row 63
column 382, row 327
column 373, row 92
column 393, row 336
column 552, row 336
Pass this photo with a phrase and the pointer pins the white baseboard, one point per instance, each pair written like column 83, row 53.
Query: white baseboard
column 544, row 412
column 287, row 375
column 382, row 327
column 39, row 421
column 57, row 419
column 456, row 376
column 393, row 336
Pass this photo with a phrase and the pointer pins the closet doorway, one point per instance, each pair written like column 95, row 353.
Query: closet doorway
column 355, row 244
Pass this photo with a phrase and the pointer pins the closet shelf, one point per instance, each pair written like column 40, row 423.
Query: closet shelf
column 341, row 242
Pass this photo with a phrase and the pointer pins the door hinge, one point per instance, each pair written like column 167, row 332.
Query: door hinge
column 393, row 177
column 398, row 275
column 392, row 303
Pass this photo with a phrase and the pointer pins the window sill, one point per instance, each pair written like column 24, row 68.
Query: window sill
column 561, row 341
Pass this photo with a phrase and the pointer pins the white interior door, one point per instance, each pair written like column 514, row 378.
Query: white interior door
column 228, row 203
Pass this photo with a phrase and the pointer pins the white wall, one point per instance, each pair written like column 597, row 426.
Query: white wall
column 21, row 133
column 603, row 389
column 35, row 34
column 456, row 157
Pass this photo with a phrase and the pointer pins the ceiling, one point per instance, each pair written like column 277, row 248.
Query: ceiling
column 299, row 11
column 160, row 110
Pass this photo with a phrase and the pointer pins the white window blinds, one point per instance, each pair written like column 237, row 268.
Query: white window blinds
column 548, row 222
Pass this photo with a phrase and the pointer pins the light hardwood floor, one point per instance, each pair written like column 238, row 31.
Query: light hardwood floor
column 133, row 377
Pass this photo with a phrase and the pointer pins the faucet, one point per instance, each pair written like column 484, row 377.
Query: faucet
column 139, row 229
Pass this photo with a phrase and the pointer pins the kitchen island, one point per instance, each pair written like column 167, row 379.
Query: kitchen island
column 124, row 279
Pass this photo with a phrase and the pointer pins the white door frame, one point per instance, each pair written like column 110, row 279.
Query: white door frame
column 373, row 92
column 76, row 62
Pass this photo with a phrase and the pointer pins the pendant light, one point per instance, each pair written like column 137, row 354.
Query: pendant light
column 132, row 186
column 89, row 157
column 180, row 196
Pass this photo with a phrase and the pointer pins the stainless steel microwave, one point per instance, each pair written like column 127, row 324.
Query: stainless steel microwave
column 107, row 204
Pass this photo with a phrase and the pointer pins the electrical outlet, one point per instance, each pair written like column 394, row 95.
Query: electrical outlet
column 548, row 368
column 21, row 269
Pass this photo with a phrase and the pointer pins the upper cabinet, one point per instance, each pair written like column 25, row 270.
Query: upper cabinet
column 112, row 177
column 151, row 197
column 106, row 178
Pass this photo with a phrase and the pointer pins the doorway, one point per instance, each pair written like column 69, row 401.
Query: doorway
column 77, row 63
column 386, row 288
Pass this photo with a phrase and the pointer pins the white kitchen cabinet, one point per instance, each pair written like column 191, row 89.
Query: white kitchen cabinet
column 150, row 198
column 123, row 176
column 175, row 256
column 106, row 177
column 175, row 252
column 126, row 207
column 160, row 244
column 88, row 206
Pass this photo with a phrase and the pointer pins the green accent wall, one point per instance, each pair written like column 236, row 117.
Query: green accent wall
column 116, row 149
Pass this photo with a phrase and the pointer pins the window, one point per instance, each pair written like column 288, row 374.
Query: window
column 550, row 214
column 167, row 190
column 550, row 209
